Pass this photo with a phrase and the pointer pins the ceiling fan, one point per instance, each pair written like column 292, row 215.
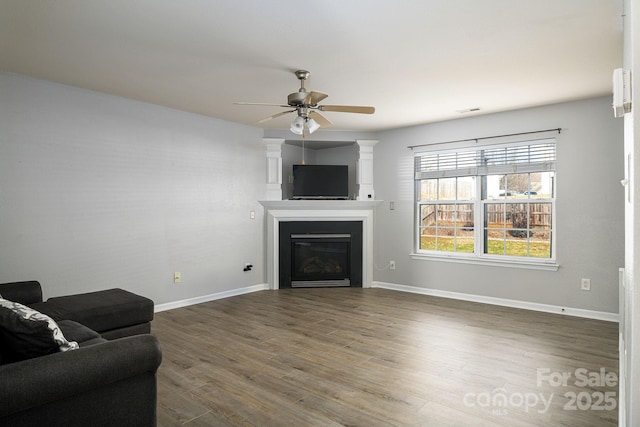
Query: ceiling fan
column 305, row 104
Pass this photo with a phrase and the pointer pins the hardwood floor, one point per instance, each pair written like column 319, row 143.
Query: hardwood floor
column 375, row 357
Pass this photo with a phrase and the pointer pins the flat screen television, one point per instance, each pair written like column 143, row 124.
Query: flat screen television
column 320, row 182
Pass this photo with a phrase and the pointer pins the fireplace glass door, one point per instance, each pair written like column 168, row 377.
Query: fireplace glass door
column 320, row 260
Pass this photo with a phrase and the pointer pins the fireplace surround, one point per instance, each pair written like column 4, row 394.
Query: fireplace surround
column 277, row 211
column 320, row 254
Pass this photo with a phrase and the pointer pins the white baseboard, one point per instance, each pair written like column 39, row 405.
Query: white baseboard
column 547, row 308
column 569, row 311
column 211, row 297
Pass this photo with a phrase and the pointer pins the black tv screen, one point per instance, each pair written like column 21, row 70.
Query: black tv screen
column 320, row 182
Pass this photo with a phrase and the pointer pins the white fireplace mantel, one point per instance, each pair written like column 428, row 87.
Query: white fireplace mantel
column 318, row 210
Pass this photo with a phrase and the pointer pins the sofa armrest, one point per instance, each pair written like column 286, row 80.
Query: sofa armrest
column 60, row 376
column 25, row 293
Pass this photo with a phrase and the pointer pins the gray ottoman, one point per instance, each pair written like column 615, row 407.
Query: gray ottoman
column 113, row 313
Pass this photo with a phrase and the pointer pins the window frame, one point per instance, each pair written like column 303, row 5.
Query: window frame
column 478, row 256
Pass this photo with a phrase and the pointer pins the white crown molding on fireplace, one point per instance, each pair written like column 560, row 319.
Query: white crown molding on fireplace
column 302, row 205
column 318, row 210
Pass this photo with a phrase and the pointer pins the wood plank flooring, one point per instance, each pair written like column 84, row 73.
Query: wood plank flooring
column 375, row 357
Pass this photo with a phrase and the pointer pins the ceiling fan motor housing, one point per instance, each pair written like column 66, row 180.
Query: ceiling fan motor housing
column 297, row 98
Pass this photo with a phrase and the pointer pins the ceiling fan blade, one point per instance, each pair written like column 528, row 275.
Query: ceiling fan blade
column 322, row 120
column 261, row 103
column 348, row 109
column 314, row 97
column 266, row 119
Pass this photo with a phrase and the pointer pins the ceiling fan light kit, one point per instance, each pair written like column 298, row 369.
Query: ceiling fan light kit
column 312, row 125
column 300, row 123
column 305, row 104
column 297, row 125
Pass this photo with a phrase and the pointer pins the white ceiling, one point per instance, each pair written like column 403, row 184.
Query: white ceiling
column 416, row 61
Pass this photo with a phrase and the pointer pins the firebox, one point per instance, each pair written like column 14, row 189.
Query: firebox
column 320, row 260
column 320, row 253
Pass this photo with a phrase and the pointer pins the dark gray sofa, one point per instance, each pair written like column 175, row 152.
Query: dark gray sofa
column 103, row 383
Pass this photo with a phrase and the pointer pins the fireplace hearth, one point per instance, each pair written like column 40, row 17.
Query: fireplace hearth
column 320, row 254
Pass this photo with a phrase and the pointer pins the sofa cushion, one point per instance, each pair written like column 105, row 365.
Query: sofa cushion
column 26, row 333
column 27, row 292
column 80, row 333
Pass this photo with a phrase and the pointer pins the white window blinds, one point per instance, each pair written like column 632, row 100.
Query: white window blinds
column 522, row 157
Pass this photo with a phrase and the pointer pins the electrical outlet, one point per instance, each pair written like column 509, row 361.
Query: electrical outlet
column 585, row 284
column 177, row 277
column 392, row 265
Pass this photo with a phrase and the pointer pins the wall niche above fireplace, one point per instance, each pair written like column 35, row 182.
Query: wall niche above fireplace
column 320, row 254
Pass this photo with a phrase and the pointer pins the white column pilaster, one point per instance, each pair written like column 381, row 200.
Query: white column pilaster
column 274, row 168
column 364, row 169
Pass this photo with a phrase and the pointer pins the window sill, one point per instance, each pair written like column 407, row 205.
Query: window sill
column 492, row 262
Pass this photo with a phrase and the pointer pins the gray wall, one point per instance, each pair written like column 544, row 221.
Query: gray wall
column 347, row 155
column 590, row 219
column 292, row 155
column 98, row 191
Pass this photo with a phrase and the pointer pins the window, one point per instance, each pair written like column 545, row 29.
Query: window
column 493, row 202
